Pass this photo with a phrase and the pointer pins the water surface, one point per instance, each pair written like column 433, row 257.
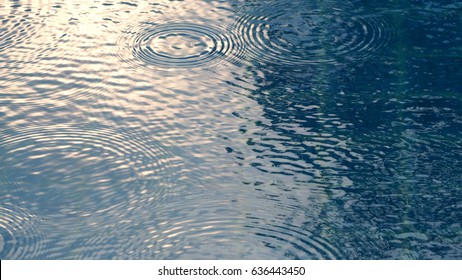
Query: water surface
column 311, row 129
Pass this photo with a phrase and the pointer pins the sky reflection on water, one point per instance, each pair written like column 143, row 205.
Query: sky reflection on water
column 230, row 129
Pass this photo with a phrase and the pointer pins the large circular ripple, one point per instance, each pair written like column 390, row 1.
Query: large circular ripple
column 308, row 34
column 22, row 234
column 201, row 227
column 197, row 229
column 94, row 172
column 177, row 45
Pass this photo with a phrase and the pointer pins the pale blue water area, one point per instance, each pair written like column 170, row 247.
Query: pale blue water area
column 316, row 129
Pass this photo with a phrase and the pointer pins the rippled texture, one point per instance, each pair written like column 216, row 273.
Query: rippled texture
column 126, row 174
column 22, row 234
column 180, row 40
column 176, row 45
column 25, row 24
column 302, row 32
column 231, row 129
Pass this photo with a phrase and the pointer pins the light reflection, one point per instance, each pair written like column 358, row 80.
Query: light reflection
column 261, row 152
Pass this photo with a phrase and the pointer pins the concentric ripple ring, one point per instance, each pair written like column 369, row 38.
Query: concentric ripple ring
column 295, row 35
column 74, row 171
column 22, row 233
column 177, row 45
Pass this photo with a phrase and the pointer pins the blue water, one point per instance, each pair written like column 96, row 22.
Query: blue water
column 316, row 129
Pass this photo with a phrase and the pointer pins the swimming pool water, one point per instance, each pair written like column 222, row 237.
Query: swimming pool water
column 310, row 129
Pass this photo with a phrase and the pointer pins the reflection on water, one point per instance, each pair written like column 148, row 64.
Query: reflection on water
column 93, row 172
column 310, row 32
column 311, row 129
column 175, row 45
column 23, row 235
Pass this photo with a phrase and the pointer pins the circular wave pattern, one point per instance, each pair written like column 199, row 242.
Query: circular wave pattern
column 177, row 45
column 220, row 230
column 22, row 234
column 86, row 172
column 190, row 226
column 297, row 35
column 291, row 240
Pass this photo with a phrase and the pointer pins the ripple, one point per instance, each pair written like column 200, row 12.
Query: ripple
column 296, row 34
column 24, row 28
column 220, row 229
column 89, row 172
column 193, row 226
column 288, row 235
column 22, row 234
column 16, row 24
column 30, row 37
column 177, row 45
column 34, row 90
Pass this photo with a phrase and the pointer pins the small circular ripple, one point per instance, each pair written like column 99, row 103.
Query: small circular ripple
column 22, row 234
column 86, row 172
column 177, row 45
column 301, row 34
